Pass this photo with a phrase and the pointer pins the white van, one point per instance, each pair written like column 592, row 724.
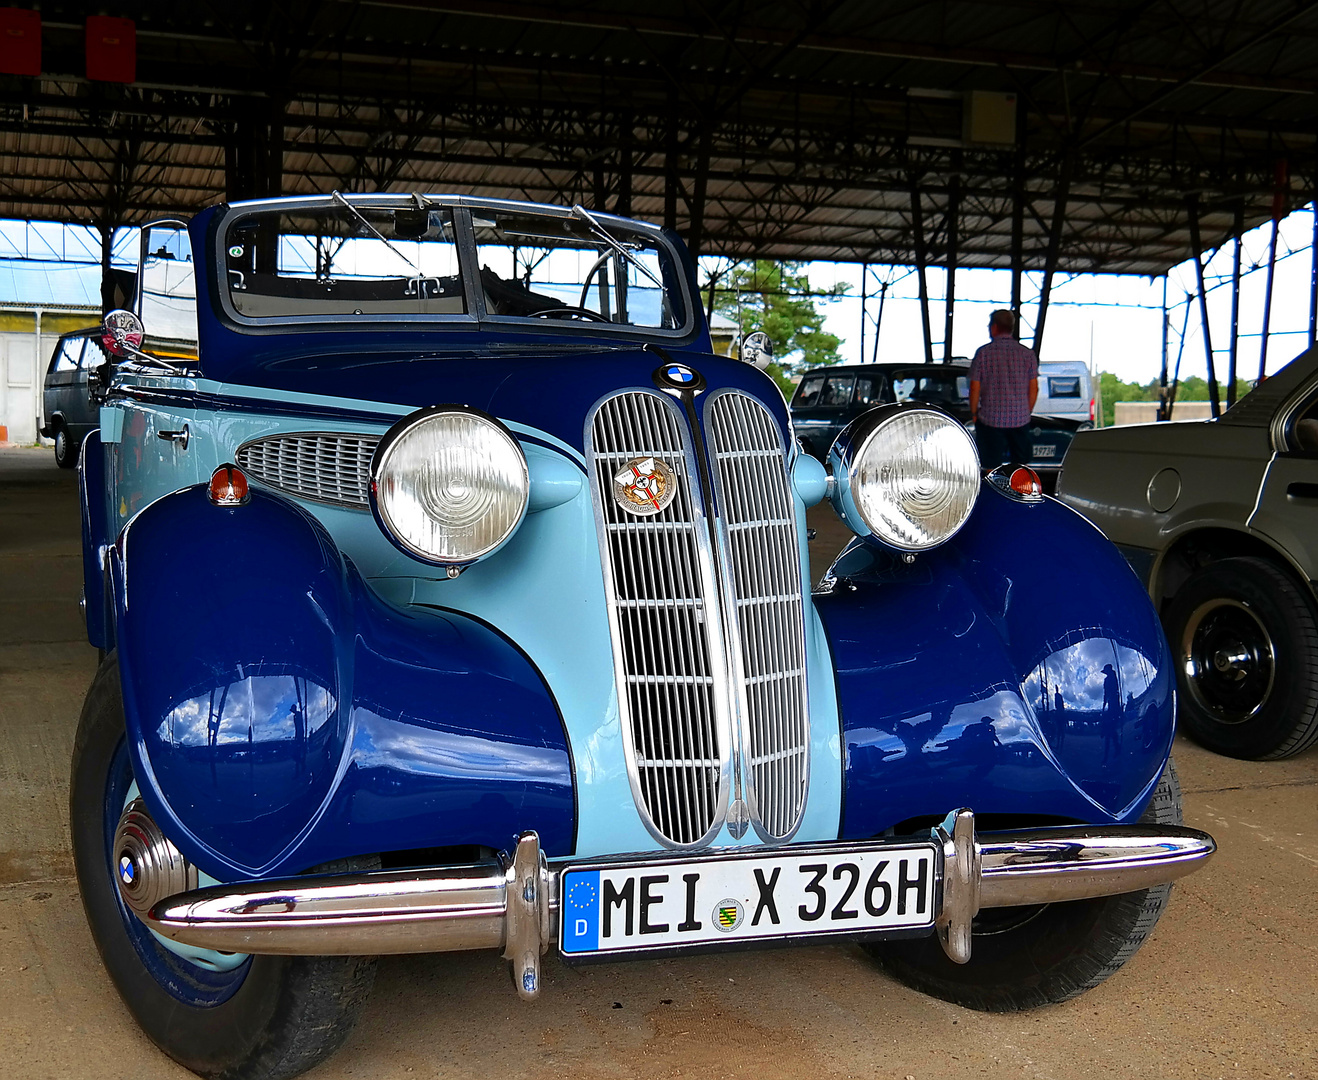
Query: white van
column 1066, row 390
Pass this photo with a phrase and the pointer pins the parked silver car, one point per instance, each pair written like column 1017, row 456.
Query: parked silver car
column 66, row 398
column 1219, row 518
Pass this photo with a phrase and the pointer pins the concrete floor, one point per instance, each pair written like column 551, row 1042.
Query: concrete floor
column 1226, row 987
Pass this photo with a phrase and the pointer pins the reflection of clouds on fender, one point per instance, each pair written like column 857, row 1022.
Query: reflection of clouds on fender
column 1072, row 678
column 431, row 751
column 255, row 709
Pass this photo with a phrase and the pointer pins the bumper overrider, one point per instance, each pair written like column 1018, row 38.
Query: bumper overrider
column 513, row 902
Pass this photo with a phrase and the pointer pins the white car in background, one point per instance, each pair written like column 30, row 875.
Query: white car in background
column 1066, row 391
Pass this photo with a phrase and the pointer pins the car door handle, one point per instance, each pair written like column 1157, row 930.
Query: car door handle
column 1300, row 492
column 180, row 437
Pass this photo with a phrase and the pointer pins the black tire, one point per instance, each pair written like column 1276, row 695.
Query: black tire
column 1022, row 958
column 66, row 450
column 273, row 1017
column 1244, row 636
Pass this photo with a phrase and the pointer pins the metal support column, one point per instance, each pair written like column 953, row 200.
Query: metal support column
column 1162, row 377
column 878, row 322
column 1267, row 300
column 1018, row 214
column 1280, row 186
column 622, row 203
column 953, row 211
column 921, row 260
column 671, row 183
column 1239, row 227
column 1214, row 402
column 696, row 204
column 1054, row 247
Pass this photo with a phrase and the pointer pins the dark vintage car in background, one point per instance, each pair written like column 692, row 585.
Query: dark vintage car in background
column 828, row 399
column 452, row 595
column 67, row 400
column 1219, row 518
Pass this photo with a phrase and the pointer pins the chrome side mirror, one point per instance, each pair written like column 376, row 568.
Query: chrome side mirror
column 122, row 333
column 757, row 349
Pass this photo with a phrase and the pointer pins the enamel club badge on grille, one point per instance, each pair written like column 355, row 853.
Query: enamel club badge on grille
column 644, row 486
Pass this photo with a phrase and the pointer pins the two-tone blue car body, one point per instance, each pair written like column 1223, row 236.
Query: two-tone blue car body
column 434, row 553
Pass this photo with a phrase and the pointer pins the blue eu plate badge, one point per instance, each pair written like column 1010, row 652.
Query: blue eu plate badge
column 581, row 912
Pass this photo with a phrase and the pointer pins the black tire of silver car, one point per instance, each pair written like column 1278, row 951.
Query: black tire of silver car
column 1245, row 640
column 1022, row 958
column 66, row 450
column 281, row 1016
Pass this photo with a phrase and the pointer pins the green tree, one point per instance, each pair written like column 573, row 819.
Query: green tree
column 1192, row 389
column 777, row 297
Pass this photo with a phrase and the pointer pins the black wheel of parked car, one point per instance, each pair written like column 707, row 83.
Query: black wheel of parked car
column 66, row 450
column 263, row 1017
column 1021, row 958
column 1245, row 639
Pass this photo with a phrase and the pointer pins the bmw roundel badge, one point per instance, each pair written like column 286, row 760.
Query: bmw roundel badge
column 674, row 376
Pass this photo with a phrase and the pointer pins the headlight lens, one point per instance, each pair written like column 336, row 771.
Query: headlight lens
column 913, row 478
column 449, row 485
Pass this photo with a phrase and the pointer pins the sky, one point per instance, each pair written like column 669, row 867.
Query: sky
column 1112, row 321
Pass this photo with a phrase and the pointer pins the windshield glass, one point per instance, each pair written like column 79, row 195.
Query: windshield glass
column 575, row 269
column 356, row 258
column 345, row 261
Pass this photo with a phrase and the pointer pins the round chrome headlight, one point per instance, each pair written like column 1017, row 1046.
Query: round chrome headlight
column 449, row 484
column 908, row 476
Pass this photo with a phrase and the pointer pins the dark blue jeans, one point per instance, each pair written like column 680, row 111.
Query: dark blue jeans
column 998, row 446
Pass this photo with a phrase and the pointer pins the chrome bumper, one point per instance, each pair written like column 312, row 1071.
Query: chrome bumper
column 511, row 903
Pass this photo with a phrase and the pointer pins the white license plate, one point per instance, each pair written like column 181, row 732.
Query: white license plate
column 613, row 908
column 1044, row 450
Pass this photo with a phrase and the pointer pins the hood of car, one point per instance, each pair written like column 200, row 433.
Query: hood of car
column 552, row 389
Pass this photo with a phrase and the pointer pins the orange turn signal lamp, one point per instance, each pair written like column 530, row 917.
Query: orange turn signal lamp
column 1019, row 481
column 228, row 486
column 1025, row 481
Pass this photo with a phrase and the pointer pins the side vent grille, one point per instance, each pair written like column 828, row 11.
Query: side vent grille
column 325, row 467
column 759, row 531
column 653, row 576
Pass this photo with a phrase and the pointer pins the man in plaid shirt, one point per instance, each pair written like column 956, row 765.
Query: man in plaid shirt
column 1004, row 385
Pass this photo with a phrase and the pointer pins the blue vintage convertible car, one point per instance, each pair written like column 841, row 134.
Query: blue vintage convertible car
column 452, row 595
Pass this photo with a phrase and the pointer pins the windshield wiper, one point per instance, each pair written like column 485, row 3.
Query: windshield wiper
column 378, row 235
column 579, row 211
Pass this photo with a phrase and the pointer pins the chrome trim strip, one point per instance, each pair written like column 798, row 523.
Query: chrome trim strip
column 665, row 626
column 763, row 586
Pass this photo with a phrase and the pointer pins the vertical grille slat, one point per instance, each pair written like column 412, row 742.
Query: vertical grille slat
column 759, row 529
column 668, row 681
column 327, row 467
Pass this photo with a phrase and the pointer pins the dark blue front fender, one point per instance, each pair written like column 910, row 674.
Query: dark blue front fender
column 1019, row 670
column 280, row 715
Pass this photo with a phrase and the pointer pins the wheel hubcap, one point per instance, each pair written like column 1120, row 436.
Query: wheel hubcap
column 1229, row 660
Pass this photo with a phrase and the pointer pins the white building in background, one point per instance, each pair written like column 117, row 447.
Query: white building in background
column 39, row 301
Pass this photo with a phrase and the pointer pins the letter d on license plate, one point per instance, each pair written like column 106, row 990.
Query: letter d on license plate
column 613, row 907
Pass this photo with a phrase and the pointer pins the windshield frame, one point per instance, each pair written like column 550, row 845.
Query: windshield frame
column 476, row 317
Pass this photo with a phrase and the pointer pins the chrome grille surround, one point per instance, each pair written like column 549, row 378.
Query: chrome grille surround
column 762, row 584
column 331, row 467
column 668, row 649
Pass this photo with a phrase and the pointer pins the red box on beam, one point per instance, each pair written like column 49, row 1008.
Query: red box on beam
column 111, row 49
column 20, row 42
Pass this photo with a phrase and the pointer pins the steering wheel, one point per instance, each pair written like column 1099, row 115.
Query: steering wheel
column 569, row 312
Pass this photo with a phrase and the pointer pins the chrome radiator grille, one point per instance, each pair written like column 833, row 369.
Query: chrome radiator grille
column 670, row 695
column 325, row 467
column 764, row 580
